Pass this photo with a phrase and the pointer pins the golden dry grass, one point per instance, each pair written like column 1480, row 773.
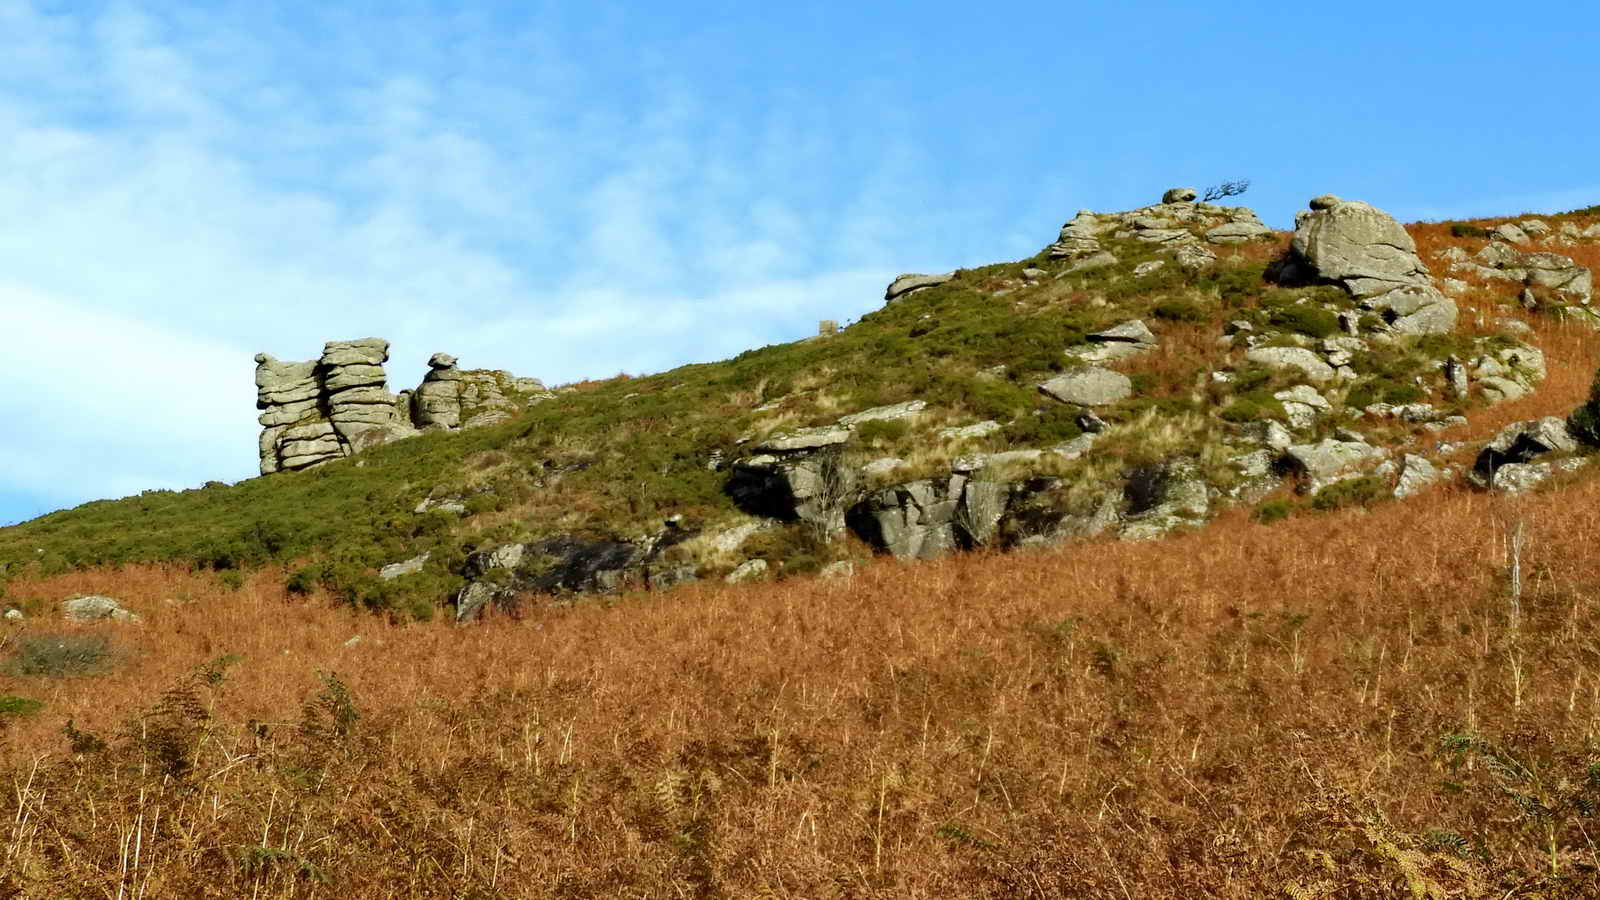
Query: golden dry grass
column 1183, row 718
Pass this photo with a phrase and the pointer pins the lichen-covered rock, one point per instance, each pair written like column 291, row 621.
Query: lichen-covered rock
column 339, row 404
column 1365, row 251
column 95, row 608
column 910, row 284
column 1520, row 443
column 1416, row 473
column 1358, row 246
column 1089, row 386
column 1305, row 361
column 1322, row 462
column 1561, row 275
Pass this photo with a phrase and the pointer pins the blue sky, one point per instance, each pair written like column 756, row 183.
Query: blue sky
column 576, row 189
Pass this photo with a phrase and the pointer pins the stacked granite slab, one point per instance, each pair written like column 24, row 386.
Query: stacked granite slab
column 324, row 409
column 338, row 405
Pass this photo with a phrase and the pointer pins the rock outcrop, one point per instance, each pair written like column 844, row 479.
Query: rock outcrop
column 1171, row 225
column 910, row 284
column 1334, row 346
column 339, row 404
column 1365, row 251
column 1559, row 275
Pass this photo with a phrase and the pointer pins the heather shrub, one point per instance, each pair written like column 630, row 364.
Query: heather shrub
column 60, row 655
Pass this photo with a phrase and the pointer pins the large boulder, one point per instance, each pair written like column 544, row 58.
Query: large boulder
column 930, row 517
column 1300, row 359
column 1358, row 246
column 96, row 608
column 1089, row 386
column 1325, row 461
column 1522, row 442
column 1365, row 251
column 910, row 284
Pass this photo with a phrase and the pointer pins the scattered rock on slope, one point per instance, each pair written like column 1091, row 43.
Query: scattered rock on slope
column 1089, row 386
column 95, row 608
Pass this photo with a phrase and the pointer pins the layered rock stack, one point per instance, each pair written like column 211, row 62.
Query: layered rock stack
column 338, row 405
column 450, row 397
column 326, row 408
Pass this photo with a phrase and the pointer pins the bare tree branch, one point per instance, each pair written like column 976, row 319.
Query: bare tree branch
column 1225, row 189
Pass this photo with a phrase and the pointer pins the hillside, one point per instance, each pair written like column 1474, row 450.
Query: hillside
column 800, row 455
column 1218, row 624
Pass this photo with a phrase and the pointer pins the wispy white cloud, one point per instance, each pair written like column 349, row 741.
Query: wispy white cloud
column 188, row 201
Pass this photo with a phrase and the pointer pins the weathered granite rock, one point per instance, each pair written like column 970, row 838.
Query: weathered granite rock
column 1366, row 252
column 910, row 284
column 1089, row 386
column 1322, row 462
column 970, row 432
column 1358, row 246
column 1510, row 233
column 1120, row 341
column 553, row 565
column 1180, row 195
column 808, row 484
column 749, row 570
column 317, row 411
column 805, row 439
column 1303, row 406
column 1519, row 443
column 1237, row 232
column 1515, row 478
column 410, row 567
column 884, row 413
column 1415, row 310
column 930, row 517
column 1098, row 260
column 1561, row 275
column 1299, row 358
column 95, row 608
column 1416, row 473
column 1161, row 497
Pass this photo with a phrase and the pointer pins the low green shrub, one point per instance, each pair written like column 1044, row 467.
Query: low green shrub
column 1383, row 390
column 58, row 655
column 1304, row 318
column 1252, row 406
column 1272, row 511
column 1362, row 491
column 1584, row 423
column 1179, row 311
column 1048, row 425
column 12, row 706
column 882, row 430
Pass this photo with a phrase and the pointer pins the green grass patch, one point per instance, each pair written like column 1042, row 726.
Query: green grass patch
column 14, row 707
column 1361, row 491
column 60, row 655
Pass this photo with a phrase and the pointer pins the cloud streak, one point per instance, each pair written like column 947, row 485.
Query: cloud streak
column 187, row 204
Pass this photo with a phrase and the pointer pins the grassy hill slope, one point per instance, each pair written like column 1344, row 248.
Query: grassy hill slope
column 614, row 459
